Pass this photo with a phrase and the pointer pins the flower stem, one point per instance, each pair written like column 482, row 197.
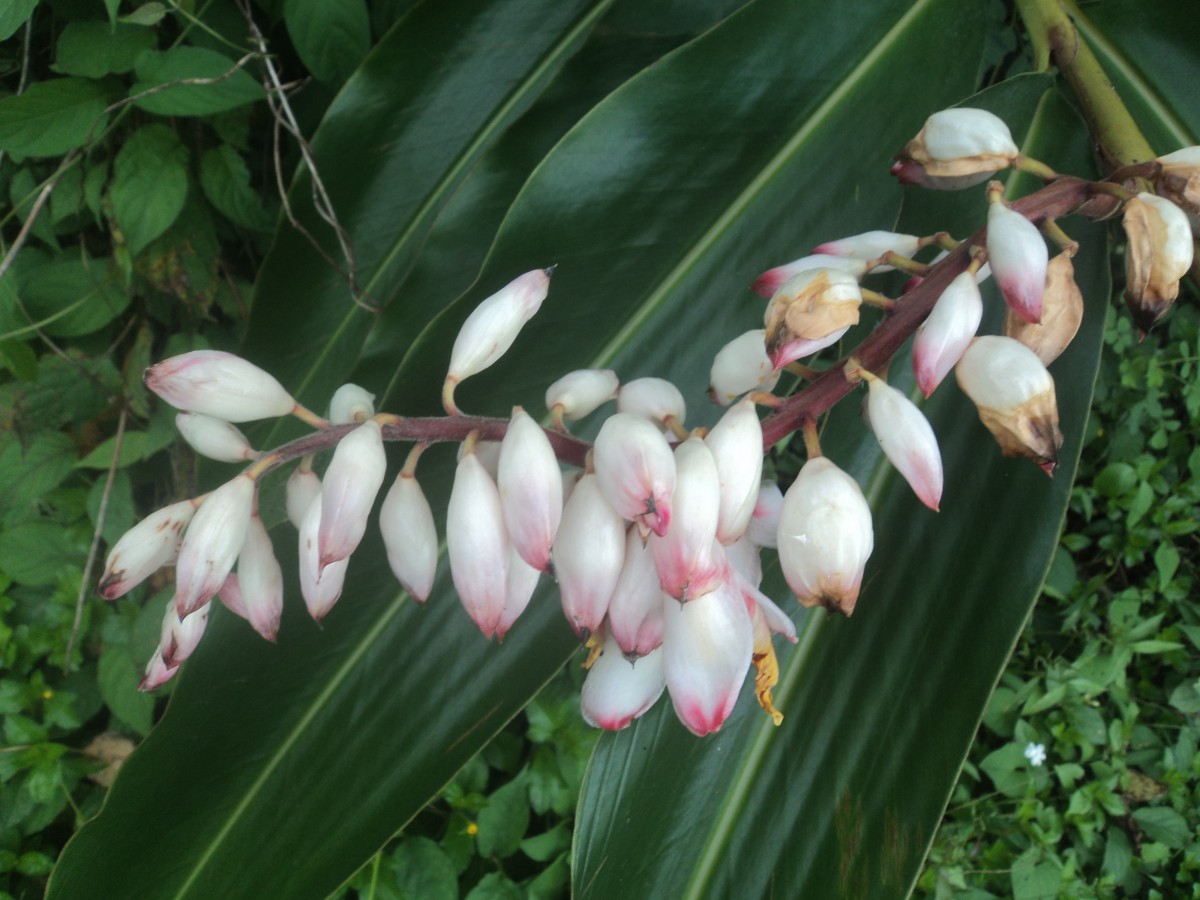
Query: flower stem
column 1055, row 36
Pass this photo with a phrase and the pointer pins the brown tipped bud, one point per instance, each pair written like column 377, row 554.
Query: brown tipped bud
column 807, row 309
column 1062, row 313
column 1179, row 178
column 955, row 149
column 1014, row 395
column 1159, row 254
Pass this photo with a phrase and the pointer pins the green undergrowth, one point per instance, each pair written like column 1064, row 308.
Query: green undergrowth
column 1105, row 676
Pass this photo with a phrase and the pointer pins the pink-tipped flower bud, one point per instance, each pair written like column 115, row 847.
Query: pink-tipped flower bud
column 742, row 366
column 180, row 637
column 212, row 543
column 157, row 674
column 1062, row 313
column 946, row 334
column 1018, row 257
column 230, row 596
column 260, row 580
column 635, row 610
column 618, row 690
column 652, row 398
column 825, row 536
column 410, row 535
column 492, row 327
column 303, row 486
column 348, row 490
column 214, row 438
column 349, row 404
column 635, row 470
column 530, row 485
column 477, row 544
column 907, row 439
column 220, row 385
column 955, row 149
column 518, row 591
column 707, row 646
column 1179, row 178
column 1014, row 395
column 764, row 522
column 144, row 549
column 736, row 442
column 770, row 281
column 320, row 587
column 589, row 553
column 871, row 245
column 1159, row 255
column 687, row 565
column 582, row 392
column 809, row 312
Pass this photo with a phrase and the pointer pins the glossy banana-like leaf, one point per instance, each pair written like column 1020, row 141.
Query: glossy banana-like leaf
column 277, row 770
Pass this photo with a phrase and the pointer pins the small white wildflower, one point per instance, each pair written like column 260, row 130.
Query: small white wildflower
column 1035, row 753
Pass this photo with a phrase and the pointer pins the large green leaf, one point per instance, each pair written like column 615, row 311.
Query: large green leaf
column 277, row 770
column 1153, row 63
column 843, row 799
column 393, row 148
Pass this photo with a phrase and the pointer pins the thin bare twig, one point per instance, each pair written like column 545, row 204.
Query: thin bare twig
column 281, row 109
column 101, row 513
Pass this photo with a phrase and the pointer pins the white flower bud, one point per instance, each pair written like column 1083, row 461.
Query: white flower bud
column 212, row 543
column 518, row 590
column 492, row 327
column 351, row 403
column 260, row 580
column 955, row 149
column 348, row 490
column 707, row 645
column 1014, row 395
column 144, row 549
column 220, row 385
column 684, row 557
column 214, row 438
column 589, row 552
column 582, row 392
column 945, row 335
column 616, row 691
column 652, row 398
column 530, row 485
column 635, row 470
column 320, row 586
column 157, row 674
column 1018, row 257
column 907, row 439
column 179, row 637
column 764, row 522
column 410, row 536
column 635, row 610
column 770, row 281
column 825, row 536
column 477, row 544
column 736, row 442
column 871, row 245
column 742, row 366
column 303, row 486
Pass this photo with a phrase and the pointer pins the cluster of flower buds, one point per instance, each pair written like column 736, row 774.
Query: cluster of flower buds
column 654, row 532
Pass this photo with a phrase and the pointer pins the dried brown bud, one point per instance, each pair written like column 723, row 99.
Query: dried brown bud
column 1159, row 254
column 1014, row 395
column 1062, row 313
column 808, row 310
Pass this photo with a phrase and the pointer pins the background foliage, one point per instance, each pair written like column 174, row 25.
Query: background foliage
column 662, row 154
